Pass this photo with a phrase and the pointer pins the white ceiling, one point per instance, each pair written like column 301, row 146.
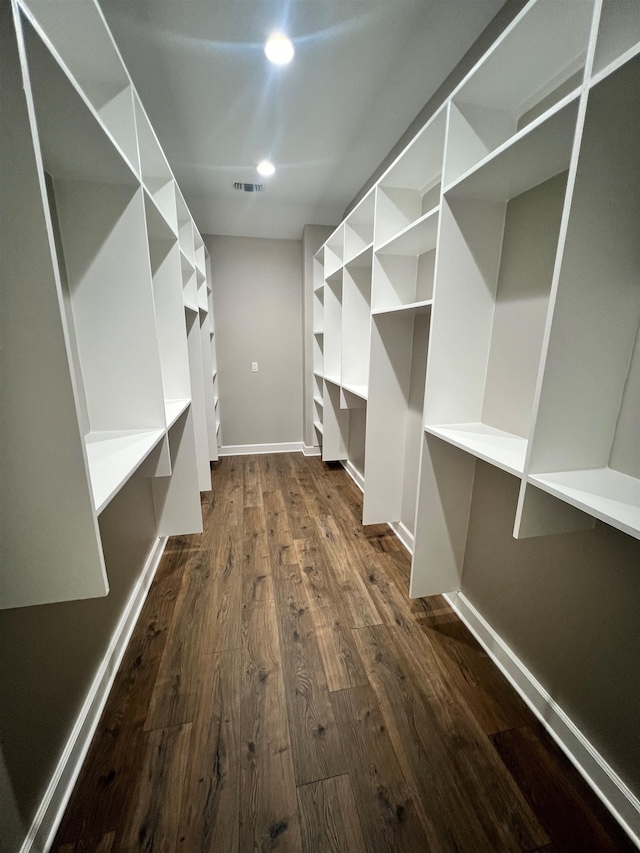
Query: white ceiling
column 362, row 71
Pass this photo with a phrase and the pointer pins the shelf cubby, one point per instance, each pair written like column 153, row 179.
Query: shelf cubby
column 199, row 251
column 585, row 447
column 358, row 228
column 189, row 283
column 503, row 94
column 334, row 252
column 356, row 323
column 618, row 35
column 399, row 342
column 164, row 256
column 318, row 269
column 198, row 398
column 332, row 350
column 186, row 228
column 156, row 174
column 209, row 401
column 403, row 268
column 498, row 244
column 93, row 63
column 411, row 186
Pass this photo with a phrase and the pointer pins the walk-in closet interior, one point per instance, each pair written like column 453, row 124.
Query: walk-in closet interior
column 465, row 344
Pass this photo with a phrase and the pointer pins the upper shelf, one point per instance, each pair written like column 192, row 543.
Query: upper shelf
column 500, row 448
column 415, row 239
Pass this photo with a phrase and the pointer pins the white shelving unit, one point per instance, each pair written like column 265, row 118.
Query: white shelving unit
column 496, row 316
column 100, row 383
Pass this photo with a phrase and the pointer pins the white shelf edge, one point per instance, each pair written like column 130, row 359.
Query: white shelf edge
column 318, row 426
column 415, row 307
column 190, row 307
column 334, row 380
column 318, row 331
column 516, row 138
column 149, row 195
column 495, row 446
column 358, row 255
column 174, row 408
column 603, row 493
column 319, row 374
column 113, row 457
column 618, row 62
column 318, row 288
column 357, row 390
column 318, row 400
column 408, row 228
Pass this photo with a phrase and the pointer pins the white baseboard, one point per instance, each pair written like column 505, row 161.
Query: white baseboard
column 353, row 472
column 404, row 534
column 606, row 783
column 250, row 449
column 311, row 450
column 47, row 819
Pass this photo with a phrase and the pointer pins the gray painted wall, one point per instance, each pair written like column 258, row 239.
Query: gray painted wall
column 568, row 606
column 257, row 303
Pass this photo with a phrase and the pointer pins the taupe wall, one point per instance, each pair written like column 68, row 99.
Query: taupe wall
column 257, row 303
column 569, row 607
column 49, row 655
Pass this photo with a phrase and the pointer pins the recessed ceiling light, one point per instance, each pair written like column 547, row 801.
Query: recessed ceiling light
column 279, row 49
column 266, row 168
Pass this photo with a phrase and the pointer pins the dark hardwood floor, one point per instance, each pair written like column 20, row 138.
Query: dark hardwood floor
column 282, row 692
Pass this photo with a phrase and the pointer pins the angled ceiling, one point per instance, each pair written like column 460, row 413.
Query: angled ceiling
column 362, row 71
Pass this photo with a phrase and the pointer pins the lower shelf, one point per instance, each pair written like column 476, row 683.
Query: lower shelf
column 604, row 493
column 173, row 409
column 113, row 457
column 503, row 449
column 318, row 426
column 359, row 390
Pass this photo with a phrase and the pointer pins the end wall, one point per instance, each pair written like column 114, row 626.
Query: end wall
column 257, row 299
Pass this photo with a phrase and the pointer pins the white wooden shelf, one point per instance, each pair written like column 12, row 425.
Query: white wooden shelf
column 500, row 448
column 415, row 239
column 318, row 426
column 412, row 308
column 535, row 154
column 173, row 409
column 318, row 400
column 606, row 494
column 359, row 390
column 335, row 380
column 113, row 457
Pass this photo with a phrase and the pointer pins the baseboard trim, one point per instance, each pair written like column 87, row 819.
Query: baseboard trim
column 251, row 449
column 606, row 783
column 404, row 534
column 311, row 450
column 47, row 819
column 353, row 472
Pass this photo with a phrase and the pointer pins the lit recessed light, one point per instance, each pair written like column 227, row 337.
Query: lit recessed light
column 266, row 168
column 279, row 49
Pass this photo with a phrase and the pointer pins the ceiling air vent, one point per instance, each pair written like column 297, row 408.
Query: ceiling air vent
column 248, row 188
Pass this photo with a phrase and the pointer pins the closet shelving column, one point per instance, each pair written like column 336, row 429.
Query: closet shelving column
column 194, row 307
column 585, row 448
column 318, row 343
column 335, row 427
column 406, row 227
column 214, row 359
column 511, row 132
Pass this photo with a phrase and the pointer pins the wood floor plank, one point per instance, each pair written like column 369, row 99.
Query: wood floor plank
column 257, row 582
column 388, row 814
column 315, row 741
column 571, row 813
column 222, row 629
column 329, row 817
column 103, row 844
column 252, row 482
column 279, row 536
column 268, row 803
column 299, row 510
column 362, row 611
column 174, row 695
column 209, row 819
column 268, row 472
column 108, row 773
column 154, row 813
column 342, row 665
column 469, row 802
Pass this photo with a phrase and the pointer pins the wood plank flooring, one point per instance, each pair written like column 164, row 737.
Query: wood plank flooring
column 282, row 692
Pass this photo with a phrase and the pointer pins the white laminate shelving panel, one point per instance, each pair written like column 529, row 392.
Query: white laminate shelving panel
column 500, row 448
column 113, row 457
